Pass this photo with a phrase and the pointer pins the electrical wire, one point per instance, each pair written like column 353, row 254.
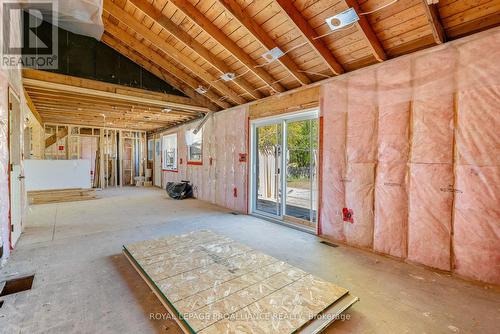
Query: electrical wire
column 380, row 8
column 331, row 32
column 316, row 73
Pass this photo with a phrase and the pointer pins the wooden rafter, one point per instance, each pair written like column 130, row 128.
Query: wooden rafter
column 32, row 107
column 432, row 14
column 371, row 38
column 258, row 32
column 310, row 34
column 125, row 43
column 145, row 32
column 211, row 29
column 186, row 39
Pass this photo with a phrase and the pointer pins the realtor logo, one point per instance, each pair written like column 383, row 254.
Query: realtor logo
column 29, row 34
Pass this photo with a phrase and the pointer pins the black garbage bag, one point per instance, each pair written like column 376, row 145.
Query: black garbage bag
column 179, row 190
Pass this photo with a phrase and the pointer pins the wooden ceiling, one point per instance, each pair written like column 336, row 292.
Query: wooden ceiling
column 61, row 99
column 191, row 43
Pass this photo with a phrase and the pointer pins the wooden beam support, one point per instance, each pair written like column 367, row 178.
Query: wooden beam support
column 55, row 137
column 310, row 35
column 432, row 14
column 258, row 32
column 170, row 50
column 32, row 107
column 211, row 29
column 126, row 43
column 370, row 37
column 186, row 39
column 100, row 89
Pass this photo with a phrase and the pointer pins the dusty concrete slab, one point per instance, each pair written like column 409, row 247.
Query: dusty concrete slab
column 84, row 284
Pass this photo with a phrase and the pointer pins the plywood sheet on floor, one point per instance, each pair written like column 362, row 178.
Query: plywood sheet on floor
column 217, row 285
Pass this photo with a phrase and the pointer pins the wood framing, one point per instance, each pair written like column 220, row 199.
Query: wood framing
column 431, row 12
column 370, row 37
column 182, row 36
column 204, row 23
column 311, row 36
column 138, row 27
column 127, row 44
column 256, row 30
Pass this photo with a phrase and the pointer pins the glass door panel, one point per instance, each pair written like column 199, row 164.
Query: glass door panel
column 300, row 178
column 268, row 165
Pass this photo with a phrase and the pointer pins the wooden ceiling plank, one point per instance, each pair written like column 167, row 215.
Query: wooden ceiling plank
column 259, row 33
column 369, row 35
column 132, row 23
column 193, row 44
column 432, row 14
column 311, row 36
column 122, row 38
column 212, row 30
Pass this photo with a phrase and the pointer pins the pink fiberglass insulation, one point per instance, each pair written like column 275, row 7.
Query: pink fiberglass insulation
column 362, row 118
column 429, row 218
column 431, row 168
column 391, row 199
column 432, row 137
column 477, row 223
column 391, row 209
column 333, row 109
column 359, row 186
column 476, row 238
column 221, row 178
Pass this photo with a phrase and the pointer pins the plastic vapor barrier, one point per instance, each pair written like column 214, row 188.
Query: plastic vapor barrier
column 221, row 178
column 411, row 148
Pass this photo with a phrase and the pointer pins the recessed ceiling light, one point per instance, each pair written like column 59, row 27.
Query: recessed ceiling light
column 228, row 76
column 272, row 54
column 343, row 19
column 201, row 90
column 167, row 110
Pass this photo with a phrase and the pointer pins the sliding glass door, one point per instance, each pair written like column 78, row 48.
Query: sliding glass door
column 284, row 168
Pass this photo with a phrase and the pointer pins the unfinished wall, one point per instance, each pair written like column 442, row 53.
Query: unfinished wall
column 222, row 177
column 411, row 147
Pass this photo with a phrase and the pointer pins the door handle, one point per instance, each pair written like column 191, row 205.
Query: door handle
column 20, row 177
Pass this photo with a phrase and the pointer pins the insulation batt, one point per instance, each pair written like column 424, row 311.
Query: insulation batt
column 412, row 147
column 216, row 182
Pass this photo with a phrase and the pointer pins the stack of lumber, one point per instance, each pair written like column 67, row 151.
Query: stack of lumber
column 60, row 195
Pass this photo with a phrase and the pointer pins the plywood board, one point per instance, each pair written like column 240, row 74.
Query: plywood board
column 212, row 284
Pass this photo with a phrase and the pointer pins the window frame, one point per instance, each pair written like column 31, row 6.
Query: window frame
column 165, row 145
column 189, row 160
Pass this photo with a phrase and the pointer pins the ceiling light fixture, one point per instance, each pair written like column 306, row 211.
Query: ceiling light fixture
column 272, row 54
column 201, row 90
column 228, row 76
column 167, row 110
column 343, row 19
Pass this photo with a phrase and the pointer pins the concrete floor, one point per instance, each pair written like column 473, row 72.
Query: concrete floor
column 83, row 283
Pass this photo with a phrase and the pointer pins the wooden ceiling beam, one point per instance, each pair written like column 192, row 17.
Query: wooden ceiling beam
column 98, row 89
column 310, row 35
column 128, row 45
column 32, row 107
column 432, row 14
column 370, row 37
column 259, row 33
column 227, row 43
column 130, row 21
column 186, row 39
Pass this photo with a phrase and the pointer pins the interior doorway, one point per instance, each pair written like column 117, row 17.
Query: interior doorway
column 284, row 174
column 157, row 163
column 16, row 171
